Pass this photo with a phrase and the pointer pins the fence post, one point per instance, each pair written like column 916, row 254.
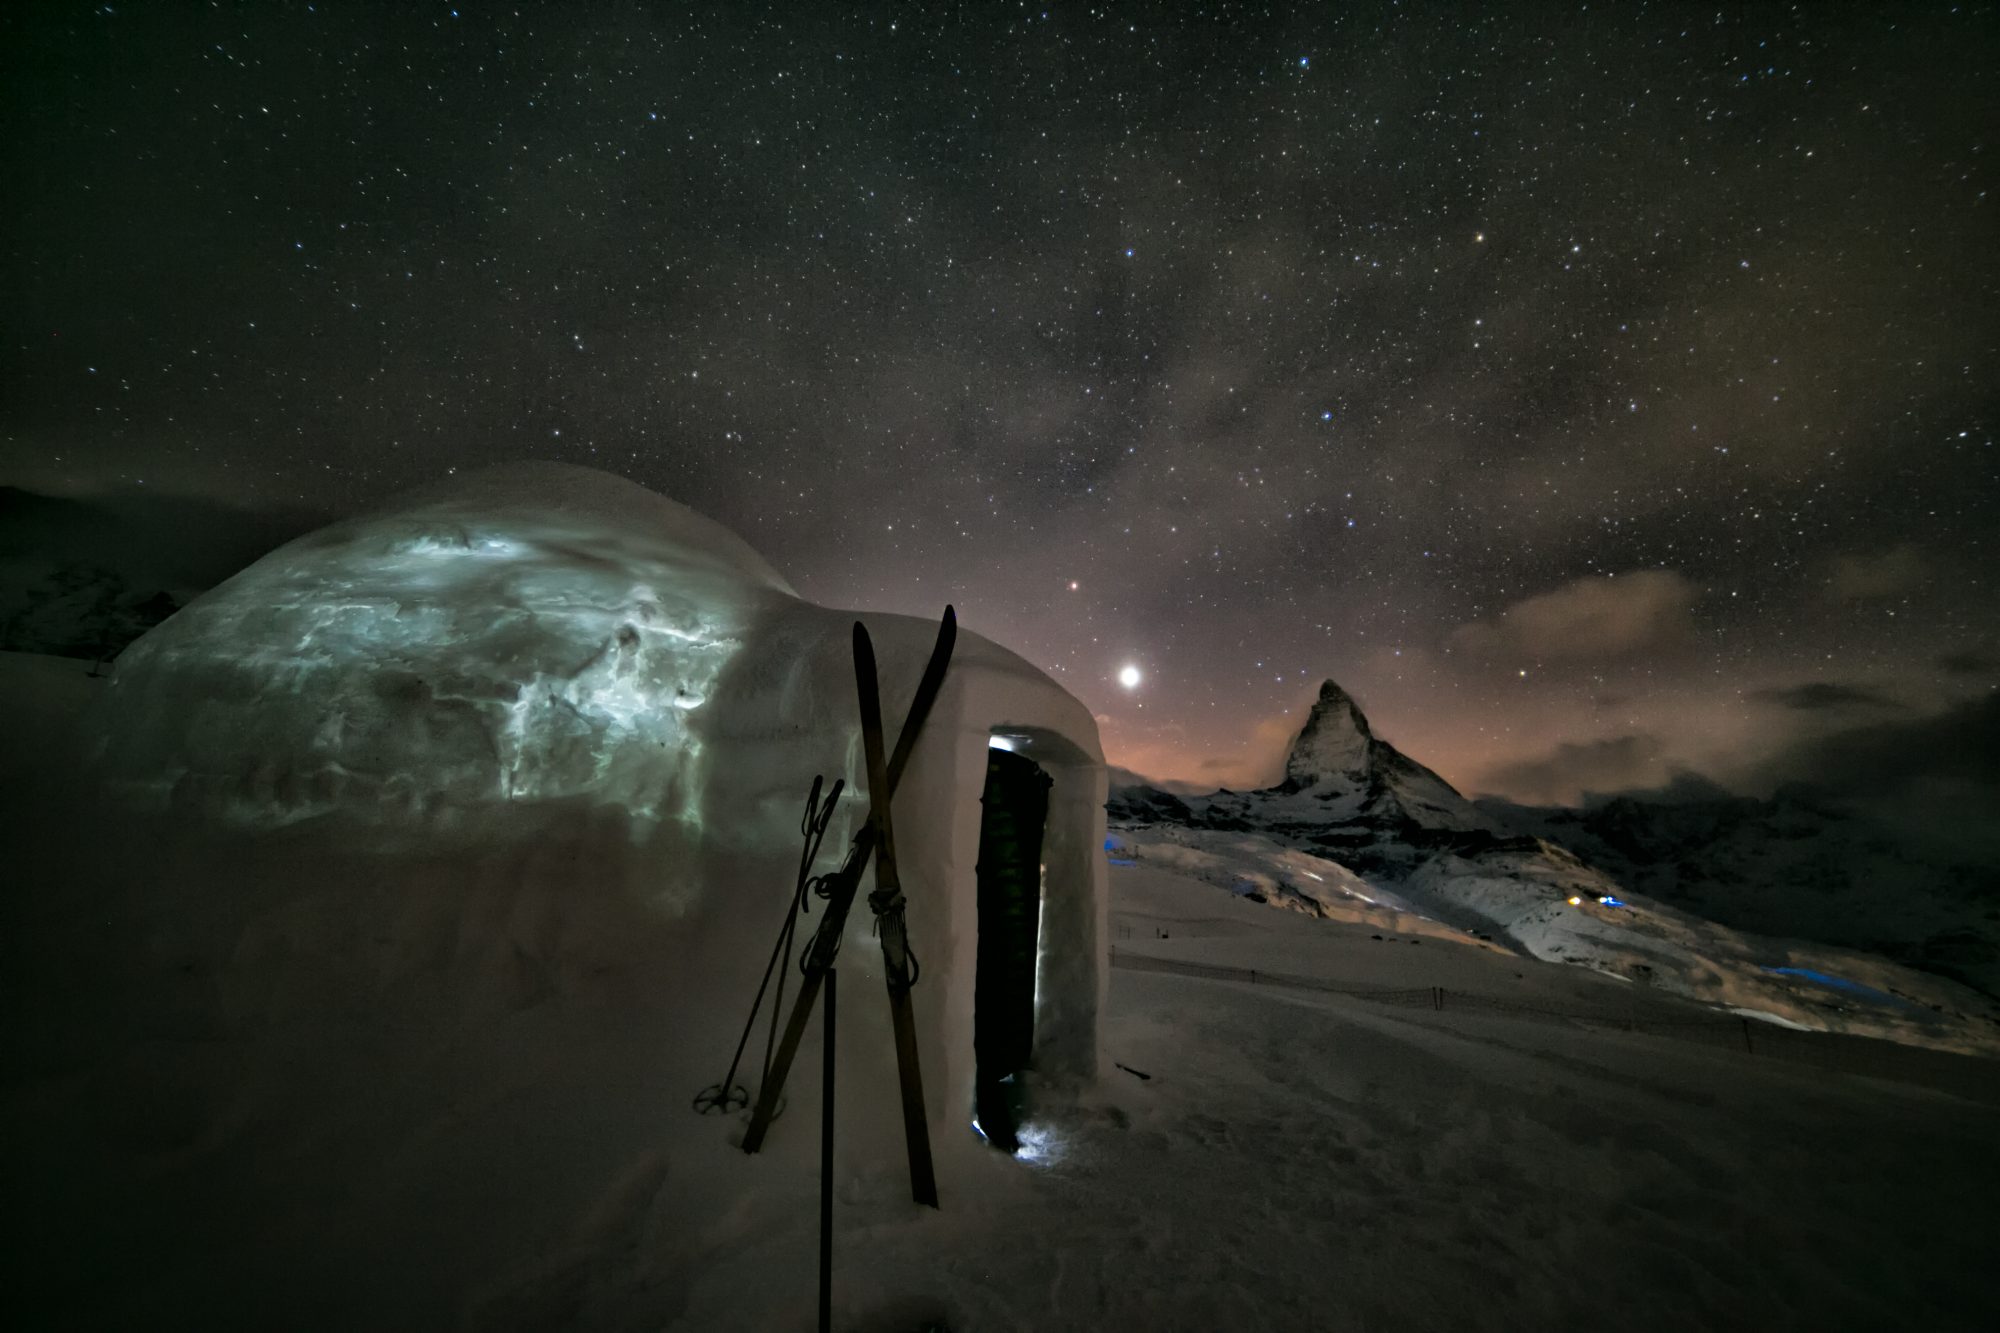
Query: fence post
column 1437, row 997
column 1748, row 1049
column 1253, row 976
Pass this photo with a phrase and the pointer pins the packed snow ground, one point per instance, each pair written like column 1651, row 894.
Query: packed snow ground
column 261, row 1137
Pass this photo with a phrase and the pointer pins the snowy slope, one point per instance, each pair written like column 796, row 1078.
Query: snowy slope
column 1288, row 1159
column 1798, row 864
column 304, row 1082
column 1373, row 815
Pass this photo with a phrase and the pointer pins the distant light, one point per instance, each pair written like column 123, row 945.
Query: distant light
column 1130, row 677
column 1575, row 901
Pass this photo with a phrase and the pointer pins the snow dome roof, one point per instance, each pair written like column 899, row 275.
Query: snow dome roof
column 528, row 632
column 598, row 513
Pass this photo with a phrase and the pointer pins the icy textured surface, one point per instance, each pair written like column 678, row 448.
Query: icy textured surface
column 531, row 633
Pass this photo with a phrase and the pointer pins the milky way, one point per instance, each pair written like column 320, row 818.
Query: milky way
column 1594, row 393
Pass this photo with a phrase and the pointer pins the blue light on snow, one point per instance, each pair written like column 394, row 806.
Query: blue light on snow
column 1608, row 901
column 1842, row 984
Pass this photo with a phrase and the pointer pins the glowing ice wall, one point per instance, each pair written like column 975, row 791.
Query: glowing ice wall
column 535, row 634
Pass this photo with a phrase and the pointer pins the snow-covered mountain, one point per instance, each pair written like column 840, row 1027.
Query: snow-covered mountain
column 1346, row 794
column 1799, row 864
column 85, row 577
column 1339, row 761
column 1655, row 896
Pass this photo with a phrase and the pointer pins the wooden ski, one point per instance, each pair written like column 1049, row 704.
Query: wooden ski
column 887, row 902
column 842, row 886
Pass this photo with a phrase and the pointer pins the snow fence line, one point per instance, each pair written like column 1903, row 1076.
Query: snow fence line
column 1964, row 1075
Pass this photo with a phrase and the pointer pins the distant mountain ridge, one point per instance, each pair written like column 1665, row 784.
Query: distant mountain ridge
column 1337, row 757
column 1579, row 884
column 84, row 577
column 1795, row 864
column 178, row 543
column 1345, row 792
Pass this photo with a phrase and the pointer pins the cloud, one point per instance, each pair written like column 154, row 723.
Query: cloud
column 1611, row 763
column 153, row 541
column 1125, row 777
column 1865, row 578
column 1596, row 617
column 1970, row 664
column 1936, row 777
column 1820, row 696
column 1960, row 745
column 1933, row 779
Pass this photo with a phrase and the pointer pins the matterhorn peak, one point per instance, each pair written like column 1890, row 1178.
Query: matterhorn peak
column 1334, row 744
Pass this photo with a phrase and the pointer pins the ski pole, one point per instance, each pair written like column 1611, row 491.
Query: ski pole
column 722, row 1096
column 826, row 1160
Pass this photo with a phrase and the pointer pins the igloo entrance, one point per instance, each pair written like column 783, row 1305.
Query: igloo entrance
column 1013, row 811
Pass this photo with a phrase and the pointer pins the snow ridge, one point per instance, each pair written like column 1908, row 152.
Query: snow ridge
column 1356, row 803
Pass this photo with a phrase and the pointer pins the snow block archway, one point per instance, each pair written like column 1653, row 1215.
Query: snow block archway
column 542, row 655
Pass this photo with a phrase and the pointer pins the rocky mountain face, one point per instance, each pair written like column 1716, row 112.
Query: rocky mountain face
column 1649, row 875
column 74, row 609
column 83, row 578
column 1799, row 865
column 1346, row 794
column 1336, row 747
column 1339, row 761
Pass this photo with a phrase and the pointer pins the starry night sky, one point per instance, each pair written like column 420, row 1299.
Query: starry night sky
column 1593, row 391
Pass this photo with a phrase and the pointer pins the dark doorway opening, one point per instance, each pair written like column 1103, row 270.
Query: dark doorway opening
column 1014, row 808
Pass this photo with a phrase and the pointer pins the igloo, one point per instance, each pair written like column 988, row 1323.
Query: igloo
column 539, row 655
